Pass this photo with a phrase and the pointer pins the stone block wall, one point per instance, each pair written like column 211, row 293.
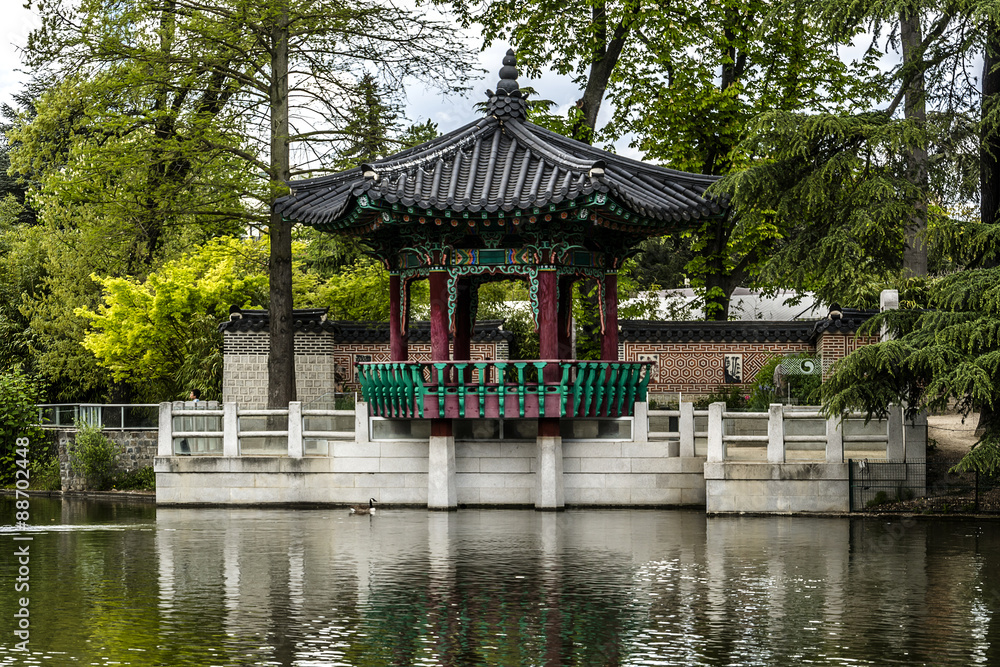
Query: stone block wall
column 244, row 377
column 136, row 450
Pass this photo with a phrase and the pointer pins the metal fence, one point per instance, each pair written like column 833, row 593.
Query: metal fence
column 928, row 488
column 113, row 417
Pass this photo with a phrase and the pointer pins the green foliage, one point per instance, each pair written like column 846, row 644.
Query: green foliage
column 141, row 479
column 360, row 292
column 94, row 457
column 18, row 416
column 45, row 473
column 734, row 396
column 804, row 389
column 945, row 353
column 158, row 333
column 832, row 195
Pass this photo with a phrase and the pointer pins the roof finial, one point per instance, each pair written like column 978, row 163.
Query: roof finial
column 508, row 102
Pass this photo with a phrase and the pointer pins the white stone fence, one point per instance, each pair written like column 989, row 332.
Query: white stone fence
column 786, row 434
column 208, row 429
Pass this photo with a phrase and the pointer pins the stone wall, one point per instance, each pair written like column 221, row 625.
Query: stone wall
column 244, row 376
column 136, row 450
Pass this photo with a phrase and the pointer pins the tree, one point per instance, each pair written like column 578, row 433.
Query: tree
column 263, row 59
column 685, row 79
column 150, row 333
column 18, row 418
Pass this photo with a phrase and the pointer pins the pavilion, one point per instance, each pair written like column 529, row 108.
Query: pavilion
column 498, row 199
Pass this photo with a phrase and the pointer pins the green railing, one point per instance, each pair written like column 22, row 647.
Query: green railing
column 504, row 389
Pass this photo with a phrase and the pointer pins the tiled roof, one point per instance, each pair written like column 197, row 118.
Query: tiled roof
column 641, row 331
column 502, row 162
column 306, row 319
column 844, row 321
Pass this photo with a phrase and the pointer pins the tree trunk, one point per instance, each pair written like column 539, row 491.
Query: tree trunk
column 915, row 110
column 281, row 360
column 603, row 62
column 989, row 151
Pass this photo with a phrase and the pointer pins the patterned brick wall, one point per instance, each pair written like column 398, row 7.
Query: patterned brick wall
column 348, row 354
column 698, row 368
column 833, row 346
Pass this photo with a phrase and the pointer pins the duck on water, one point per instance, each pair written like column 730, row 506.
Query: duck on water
column 364, row 509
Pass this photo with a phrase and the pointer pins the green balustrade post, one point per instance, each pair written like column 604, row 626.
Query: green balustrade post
column 406, row 377
column 520, row 386
column 440, row 388
column 623, row 374
column 481, row 388
column 588, row 391
column 578, row 382
column 418, row 386
column 603, row 375
column 644, row 382
column 540, row 365
column 633, row 382
column 501, row 385
column 563, row 389
column 460, row 371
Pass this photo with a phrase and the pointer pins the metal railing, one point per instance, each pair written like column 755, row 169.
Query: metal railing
column 110, row 416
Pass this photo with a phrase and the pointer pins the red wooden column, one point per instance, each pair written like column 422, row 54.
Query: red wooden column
column 439, row 315
column 565, row 317
column 441, row 490
column 398, row 338
column 548, row 325
column 463, row 321
column 548, row 339
column 609, row 340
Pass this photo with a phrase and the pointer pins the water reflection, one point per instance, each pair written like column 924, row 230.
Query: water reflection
column 482, row 587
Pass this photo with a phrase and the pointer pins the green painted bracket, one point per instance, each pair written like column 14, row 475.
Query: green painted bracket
column 632, row 386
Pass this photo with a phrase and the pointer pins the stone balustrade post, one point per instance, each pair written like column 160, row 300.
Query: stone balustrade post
column 295, row 429
column 165, row 430
column 894, row 447
column 640, row 422
column 361, row 422
column 835, row 439
column 685, row 424
column 776, row 433
column 230, row 430
column 716, row 446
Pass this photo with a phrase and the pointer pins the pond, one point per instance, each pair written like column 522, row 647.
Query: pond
column 128, row 583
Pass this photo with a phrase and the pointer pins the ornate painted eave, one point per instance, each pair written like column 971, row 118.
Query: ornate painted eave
column 503, row 166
